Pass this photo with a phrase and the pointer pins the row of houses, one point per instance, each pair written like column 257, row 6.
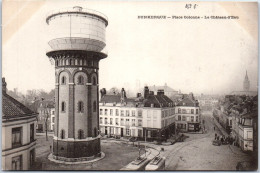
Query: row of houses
column 151, row 115
column 239, row 116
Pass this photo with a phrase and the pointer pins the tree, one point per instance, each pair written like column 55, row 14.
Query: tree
column 46, row 111
column 113, row 91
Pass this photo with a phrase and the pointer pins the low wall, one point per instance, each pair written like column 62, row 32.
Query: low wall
column 76, row 149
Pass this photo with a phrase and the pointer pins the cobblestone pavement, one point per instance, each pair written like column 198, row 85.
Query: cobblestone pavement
column 198, row 153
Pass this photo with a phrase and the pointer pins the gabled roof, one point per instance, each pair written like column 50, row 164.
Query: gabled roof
column 187, row 102
column 12, row 108
column 111, row 99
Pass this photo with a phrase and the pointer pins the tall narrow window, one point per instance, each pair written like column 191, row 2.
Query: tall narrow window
column 16, row 137
column 31, row 132
column 63, row 106
column 94, row 82
column 95, row 132
column 80, row 134
column 63, row 80
column 80, row 107
column 94, row 106
column 62, row 134
column 80, row 80
column 17, row 163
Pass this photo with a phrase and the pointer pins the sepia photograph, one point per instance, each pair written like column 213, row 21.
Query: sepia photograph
column 129, row 85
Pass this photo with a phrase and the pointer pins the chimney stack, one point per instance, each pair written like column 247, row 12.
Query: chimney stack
column 146, row 92
column 4, row 84
column 103, row 92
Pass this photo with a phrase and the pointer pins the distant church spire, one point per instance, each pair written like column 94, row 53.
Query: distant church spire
column 246, row 83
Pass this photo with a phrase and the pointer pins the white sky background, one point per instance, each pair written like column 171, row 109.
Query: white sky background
column 199, row 56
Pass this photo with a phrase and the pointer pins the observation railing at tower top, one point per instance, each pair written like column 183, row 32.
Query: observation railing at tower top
column 75, row 10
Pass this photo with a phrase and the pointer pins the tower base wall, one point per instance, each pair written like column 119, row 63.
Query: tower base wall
column 73, row 151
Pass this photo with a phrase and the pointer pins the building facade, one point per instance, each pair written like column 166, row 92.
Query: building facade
column 45, row 110
column 187, row 115
column 18, row 134
column 136, row 117
column 76, row 51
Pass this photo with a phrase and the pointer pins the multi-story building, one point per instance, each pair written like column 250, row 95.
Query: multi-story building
column 246, row 131
column 207, row 102
column 158, row 115
column 52, row 118
column 238, row 115
column 187, row 115
column 46, row 110
column 18, row 134
column 120, row 116
column 151, row 115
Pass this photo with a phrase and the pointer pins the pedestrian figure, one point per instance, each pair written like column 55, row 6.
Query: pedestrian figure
column 214, row 128
column 222, row 139
column 50, row 148
column 216, row 136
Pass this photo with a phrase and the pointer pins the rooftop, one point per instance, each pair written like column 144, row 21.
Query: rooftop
column 12, row 108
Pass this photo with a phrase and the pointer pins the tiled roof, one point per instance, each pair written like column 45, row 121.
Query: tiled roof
column 111, row 99
column 12, row 108
column 187, row 102
column 157, row 101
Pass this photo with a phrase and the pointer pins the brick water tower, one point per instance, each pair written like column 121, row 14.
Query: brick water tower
column 76, row 49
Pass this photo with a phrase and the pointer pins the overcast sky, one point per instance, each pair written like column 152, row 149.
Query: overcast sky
column 200, row 56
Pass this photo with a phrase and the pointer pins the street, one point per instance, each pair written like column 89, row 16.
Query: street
column 198, row 153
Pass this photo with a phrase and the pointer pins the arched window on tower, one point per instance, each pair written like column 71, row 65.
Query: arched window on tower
column 63, row 107
column 80, row 107
column 95, row 132
column 70, row 63
column 80, row 80
column 80, row 134
column 94, row 106
column 80, row 62
column 94, row 82
column 57, row 62
column 63, row 80
column 62, row 134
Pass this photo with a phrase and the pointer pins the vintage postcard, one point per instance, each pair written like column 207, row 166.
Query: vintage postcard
column 129, row 85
